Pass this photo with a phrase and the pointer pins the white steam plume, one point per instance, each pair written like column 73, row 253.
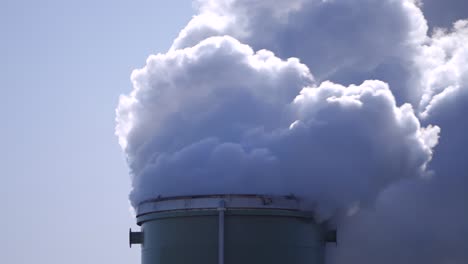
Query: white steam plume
column 233, row 107
column 344, row 41
column 219, row 118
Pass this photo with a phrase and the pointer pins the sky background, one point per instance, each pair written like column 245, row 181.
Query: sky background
column 64, row 64
column 65, row 183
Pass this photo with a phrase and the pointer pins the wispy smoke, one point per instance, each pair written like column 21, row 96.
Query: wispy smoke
column 337, row 102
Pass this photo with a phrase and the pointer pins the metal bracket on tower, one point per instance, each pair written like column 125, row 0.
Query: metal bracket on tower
column 135, row 238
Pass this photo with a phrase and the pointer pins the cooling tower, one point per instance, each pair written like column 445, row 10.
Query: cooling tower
column 230, row 229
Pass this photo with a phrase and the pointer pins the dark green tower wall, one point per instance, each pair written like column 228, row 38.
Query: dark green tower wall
column 251, row 236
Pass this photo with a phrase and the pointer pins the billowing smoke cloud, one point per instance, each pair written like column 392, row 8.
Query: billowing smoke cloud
column 344, row 41
column 338, row 102
column 427, row 219
column 424, row 220
column 219, row 118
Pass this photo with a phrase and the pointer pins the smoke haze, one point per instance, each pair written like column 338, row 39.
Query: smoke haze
column 356, row 104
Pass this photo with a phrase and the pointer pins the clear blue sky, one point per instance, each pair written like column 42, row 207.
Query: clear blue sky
column 64, row 179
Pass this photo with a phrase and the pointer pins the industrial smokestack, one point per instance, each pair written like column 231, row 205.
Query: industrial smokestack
column 340, row 103
column 230, row 229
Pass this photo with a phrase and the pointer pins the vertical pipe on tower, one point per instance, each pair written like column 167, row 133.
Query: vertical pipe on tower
column 221, row 210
